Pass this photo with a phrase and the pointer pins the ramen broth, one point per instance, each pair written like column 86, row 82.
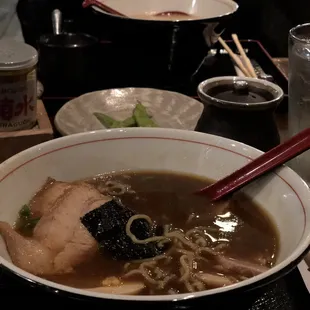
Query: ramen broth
column 168, row 15
column 168, row 199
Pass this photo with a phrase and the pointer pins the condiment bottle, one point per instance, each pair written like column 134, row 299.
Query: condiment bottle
column 241, row 109
column 18, row 85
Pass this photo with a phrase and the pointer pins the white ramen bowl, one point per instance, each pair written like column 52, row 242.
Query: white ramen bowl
column 147, row 9
column 283, row 194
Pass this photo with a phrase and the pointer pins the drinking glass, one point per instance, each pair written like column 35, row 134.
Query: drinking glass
column 299, row 92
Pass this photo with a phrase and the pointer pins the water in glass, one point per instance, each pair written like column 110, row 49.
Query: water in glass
column 299, row 92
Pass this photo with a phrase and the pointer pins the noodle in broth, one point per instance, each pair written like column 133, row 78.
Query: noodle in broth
column 206, row 246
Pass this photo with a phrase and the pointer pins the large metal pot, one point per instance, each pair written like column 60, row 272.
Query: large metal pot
column 172, row 44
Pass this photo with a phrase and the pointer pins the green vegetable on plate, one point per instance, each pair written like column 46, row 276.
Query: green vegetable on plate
column 105, row 120
column 140, row 118
column 110, row 122
column 128, row 122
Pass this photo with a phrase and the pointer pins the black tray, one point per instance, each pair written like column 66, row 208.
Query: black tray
column 118, row 69
column 221, row 65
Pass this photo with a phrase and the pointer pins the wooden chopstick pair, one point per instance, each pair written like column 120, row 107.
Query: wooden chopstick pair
column 245, row 66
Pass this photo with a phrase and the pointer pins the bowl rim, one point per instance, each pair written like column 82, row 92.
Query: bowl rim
column 234, row 9
column 161, row 134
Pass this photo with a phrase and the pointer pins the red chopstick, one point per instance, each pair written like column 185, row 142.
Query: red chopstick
column 259, row 166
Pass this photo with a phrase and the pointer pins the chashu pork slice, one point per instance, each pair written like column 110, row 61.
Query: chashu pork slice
column 46, row 197
column 60, row 242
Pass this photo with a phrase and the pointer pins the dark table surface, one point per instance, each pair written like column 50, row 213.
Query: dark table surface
column 287, row 293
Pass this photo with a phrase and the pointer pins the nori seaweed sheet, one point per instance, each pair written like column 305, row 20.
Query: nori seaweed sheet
column 107, row 224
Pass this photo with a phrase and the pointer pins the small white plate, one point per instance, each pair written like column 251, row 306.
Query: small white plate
column 168, row 109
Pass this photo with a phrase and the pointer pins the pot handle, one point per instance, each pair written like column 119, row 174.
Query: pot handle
column 56, row 21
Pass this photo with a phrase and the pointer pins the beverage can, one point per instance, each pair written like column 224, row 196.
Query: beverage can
column 18, row 85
